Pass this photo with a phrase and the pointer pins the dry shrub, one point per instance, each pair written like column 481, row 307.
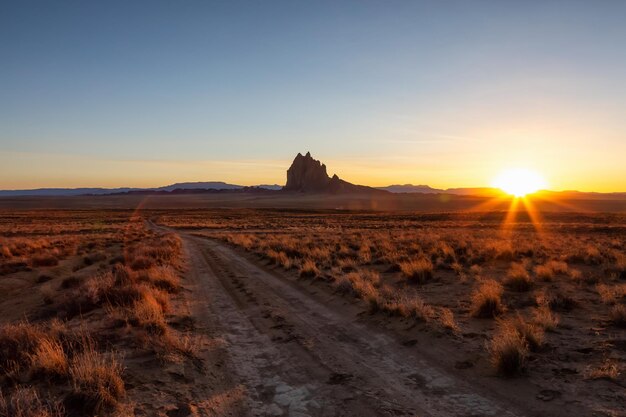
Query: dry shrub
column 319, row 254
column 575, row 274
column 547, row 271
column 609, row 369
column 245, row 241
column 589, row 255
column 592, row 255
column 545, row 318
column 365, row 290
column 343, row 285
column 555, row 300
column 417, row 270
column 446, row 318
column 97, row 383
column 165, row 278
column 457, row 268
column 49, row 359
column 518, row 278
column 476, row 270
column 610, row 294
column 142, row 262
column 361, row 284
column 279, row 258
column 544, row 272
column 25, row 402
column 406, row 305
column 499, row 250
column 115, row 288
column 531, row 332
column 617, row 315
column 309, row 269
column 371, row 276
column 346, row 264
column 5, row 252
column 18, row 342
column 508, row 350
column 364, row 254
column 148, row 313
column 487, row 300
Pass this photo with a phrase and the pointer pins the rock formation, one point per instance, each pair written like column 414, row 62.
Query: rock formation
column 308, row 175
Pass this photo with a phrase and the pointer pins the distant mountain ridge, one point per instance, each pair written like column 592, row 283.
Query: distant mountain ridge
column 305, row 175
column 59, row 192
column 410, row 188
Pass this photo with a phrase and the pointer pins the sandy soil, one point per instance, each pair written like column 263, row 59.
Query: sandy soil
column 300, row 351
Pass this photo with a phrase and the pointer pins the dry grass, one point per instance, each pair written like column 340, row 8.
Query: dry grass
column 148, row 313
column 18, row 342
column 518, row 278
column 545, row 318
column 165, row 278
column 279, row 258
column 609, row 369
column 406, row 305
column 418, row 270
column 487, row 300
column 71, row 366
column 532, row 333
column 549, row 270
column 26, row 402
column 610, row 294
column 50, row 359
column 309, row 269
column 361, row 284
column 508, row 351
column 97, row 382
column 446, row 318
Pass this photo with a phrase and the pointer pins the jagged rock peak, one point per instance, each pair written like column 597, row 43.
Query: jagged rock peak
column 306, row 174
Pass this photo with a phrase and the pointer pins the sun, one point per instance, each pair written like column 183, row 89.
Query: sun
column 519, row 182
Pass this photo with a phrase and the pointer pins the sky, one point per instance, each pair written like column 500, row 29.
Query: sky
column 444, row 93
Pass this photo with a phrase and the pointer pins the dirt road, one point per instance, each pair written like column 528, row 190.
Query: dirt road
column 299, row 356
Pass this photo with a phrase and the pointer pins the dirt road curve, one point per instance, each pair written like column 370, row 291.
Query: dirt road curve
column 297, row 356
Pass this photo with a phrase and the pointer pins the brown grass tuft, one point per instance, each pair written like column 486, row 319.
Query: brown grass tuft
column 49, row 359
column 18, row 342
column 309, row 269
column 609, row 369
column 531, row 332
column 25, row 402
column 487, row 300
column 446, row 318
column 97, row 383
column 549, row 270
column 418, row 270
column 518, row 278
column 545, row 318
column 165, row 278
column 508, row 351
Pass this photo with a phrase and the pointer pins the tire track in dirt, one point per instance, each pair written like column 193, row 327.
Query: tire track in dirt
column 298, row 357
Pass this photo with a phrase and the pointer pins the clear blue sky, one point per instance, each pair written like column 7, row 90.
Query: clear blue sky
column 448, row 93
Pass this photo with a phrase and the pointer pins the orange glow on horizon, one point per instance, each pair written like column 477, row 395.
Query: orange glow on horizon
column 519, row 182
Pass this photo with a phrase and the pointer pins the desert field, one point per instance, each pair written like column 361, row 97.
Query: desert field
column 92, row 319
column 185, row 312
